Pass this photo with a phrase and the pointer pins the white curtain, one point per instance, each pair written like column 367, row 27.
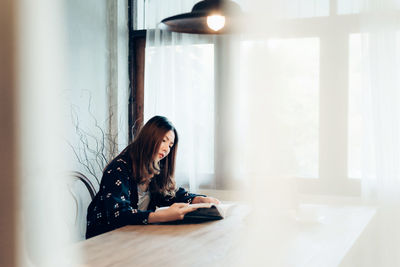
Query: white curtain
column 381, row 135
column 179, row 83
column 381, row 111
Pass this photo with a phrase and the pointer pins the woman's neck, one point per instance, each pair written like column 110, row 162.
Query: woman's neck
column 144, row 187
column 146, row 180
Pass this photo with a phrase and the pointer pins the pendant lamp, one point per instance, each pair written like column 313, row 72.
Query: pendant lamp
column 207, row 17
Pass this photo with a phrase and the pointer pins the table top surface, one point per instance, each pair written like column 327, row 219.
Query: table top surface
column 221, row 243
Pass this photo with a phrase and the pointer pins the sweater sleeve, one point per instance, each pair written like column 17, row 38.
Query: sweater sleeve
column 112, row 207
column 181, row 196
column 117, row 194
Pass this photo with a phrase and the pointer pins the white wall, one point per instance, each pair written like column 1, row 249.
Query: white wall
column 97, row 73
column 53, row 53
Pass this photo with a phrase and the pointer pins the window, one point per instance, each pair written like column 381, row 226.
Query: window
column 188, row 87
column 319, row 50
column 298, row 83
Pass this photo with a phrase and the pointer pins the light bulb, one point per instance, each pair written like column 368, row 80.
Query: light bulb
column 216, row 22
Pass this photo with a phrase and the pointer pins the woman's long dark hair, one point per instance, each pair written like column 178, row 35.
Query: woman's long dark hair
column 144, row 149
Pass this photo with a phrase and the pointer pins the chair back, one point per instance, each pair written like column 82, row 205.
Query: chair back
column 82, row 192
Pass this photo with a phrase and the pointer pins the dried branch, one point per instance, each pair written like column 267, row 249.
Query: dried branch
column 91, row 149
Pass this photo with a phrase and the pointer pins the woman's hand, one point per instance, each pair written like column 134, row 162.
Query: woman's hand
column 175, row 212
column 200, row 199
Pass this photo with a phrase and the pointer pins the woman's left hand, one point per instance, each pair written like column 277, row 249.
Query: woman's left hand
column 201, row 199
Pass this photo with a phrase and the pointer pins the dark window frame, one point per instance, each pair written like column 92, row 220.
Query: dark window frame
column 137, row 45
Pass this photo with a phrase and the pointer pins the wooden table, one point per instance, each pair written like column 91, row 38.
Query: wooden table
column 221, row 243
column 203, row 244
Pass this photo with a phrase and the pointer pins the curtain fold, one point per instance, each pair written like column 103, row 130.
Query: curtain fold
column 179, row 83
column 381, row 114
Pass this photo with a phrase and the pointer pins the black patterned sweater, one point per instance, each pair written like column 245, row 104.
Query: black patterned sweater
column 116, row 203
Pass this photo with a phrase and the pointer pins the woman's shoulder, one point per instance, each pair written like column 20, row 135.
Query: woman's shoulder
column 117, row 172
column 121, row 163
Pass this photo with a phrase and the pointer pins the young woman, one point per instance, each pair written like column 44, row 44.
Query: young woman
column 140, row 179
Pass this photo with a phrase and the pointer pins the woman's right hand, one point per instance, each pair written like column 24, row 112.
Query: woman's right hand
column 175, row 212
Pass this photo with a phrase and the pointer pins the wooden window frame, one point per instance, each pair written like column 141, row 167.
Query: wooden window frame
column 137, row 45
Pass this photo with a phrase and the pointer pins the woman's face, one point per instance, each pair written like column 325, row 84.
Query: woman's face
column 166, row 145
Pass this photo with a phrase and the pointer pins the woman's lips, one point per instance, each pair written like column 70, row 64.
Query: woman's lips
column 161, row 155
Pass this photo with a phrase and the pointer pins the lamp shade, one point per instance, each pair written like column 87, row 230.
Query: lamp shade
column 206, row 17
